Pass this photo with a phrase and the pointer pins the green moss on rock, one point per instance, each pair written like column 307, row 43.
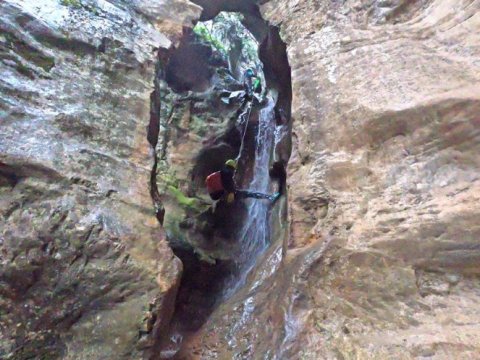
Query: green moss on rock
column 76, row 4
column 181, row 198
column 29, row 53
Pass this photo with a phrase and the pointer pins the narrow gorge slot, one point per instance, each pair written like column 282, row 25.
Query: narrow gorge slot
column 113, row 114
column 200, row 117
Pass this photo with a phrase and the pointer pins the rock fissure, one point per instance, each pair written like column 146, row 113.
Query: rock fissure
column 201, row 92
column 80, row 251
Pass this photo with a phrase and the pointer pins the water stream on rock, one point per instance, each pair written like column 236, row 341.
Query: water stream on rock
column 254, row 235
column 225, row 250
column 252, row 238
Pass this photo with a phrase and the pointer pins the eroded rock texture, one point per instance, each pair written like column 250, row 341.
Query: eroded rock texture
column 384, row 253
column 387, row 168
column 383, row 256
column 85, row 273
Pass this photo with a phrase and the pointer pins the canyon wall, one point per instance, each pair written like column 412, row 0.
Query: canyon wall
column 384, row 187
column 382, row 259
column 85, row 269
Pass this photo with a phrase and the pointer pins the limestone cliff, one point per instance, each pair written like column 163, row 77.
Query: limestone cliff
column 386, row 171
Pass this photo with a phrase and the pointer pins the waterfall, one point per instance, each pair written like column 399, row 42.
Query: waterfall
column 254, row 235
column 226, row 248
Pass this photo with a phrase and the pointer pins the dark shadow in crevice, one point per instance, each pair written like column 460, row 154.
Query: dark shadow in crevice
column 190, row 66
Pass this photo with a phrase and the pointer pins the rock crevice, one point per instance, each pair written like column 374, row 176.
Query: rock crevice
column 198, row 112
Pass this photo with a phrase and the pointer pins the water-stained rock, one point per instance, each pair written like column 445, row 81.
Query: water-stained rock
column 383, row 257
column 85, row 269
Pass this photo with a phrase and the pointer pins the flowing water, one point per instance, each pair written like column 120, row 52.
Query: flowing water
column 254, row 236
column 252, row 239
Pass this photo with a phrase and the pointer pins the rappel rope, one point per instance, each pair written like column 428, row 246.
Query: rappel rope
column 246, row 118
column 246, row 193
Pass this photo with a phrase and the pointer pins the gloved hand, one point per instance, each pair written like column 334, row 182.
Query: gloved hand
column 230, row 198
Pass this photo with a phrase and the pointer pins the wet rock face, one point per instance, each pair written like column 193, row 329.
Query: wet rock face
column 386, row 167
column 384, row 182
column 85, row 272
column 383, row 256
column 211, row 8
column 387, row 147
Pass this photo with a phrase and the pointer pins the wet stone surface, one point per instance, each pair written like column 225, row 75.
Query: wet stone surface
column 383, row 256
column 85, row 269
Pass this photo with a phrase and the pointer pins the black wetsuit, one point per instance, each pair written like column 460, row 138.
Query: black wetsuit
column 243, row 194
column 227, row 174
column 278, row 171
column 228, row 183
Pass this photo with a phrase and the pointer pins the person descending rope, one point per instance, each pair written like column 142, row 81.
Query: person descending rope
column 221, row 185
column 252, row 83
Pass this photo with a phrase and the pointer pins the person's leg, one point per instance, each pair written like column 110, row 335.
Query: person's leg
column 216, row 196
column 243, row 194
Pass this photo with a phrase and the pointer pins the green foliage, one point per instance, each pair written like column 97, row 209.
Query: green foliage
column 76, row 4
column 171, row 184
column 227, row 35
column 198, row 126
column 166, row 177
column 204, row 34
column 181, row 198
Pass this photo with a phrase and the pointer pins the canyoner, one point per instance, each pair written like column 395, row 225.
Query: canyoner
column 252, row 84
column 224, row 136
column 221, row 184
